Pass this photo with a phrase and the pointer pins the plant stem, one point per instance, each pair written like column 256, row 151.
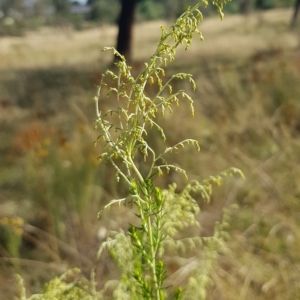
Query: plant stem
column 152, row 250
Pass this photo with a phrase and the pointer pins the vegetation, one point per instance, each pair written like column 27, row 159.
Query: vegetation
column 108, row 11
column 49, row 176
column 161, row 213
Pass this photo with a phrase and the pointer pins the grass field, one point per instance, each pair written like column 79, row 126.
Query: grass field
column 247, row 115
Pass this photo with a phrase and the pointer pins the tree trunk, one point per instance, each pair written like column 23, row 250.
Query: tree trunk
column 259, row 4
column 62, row 12
column 62, row 7
column 244, row 7
column 125, row 28
column 296, row 9
column 171, row 9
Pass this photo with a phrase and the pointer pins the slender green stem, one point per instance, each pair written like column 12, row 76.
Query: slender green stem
column 152, row 250
column 135, row 169
column 152, row 163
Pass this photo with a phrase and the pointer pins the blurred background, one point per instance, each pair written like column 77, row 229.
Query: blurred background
column 247, row 107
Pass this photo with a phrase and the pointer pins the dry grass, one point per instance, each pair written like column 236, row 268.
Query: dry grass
column 236, row 35
column 55, row 47
column 247, row 116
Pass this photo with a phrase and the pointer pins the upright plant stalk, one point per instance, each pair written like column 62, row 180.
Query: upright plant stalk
column 124, row 130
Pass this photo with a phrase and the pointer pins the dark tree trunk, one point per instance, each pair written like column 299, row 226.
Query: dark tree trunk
column 259, row 4
column 171, row 9
column 62, row 11
column 62, row 7
column 244, row 7
column 296, row 9
column 125, row 28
